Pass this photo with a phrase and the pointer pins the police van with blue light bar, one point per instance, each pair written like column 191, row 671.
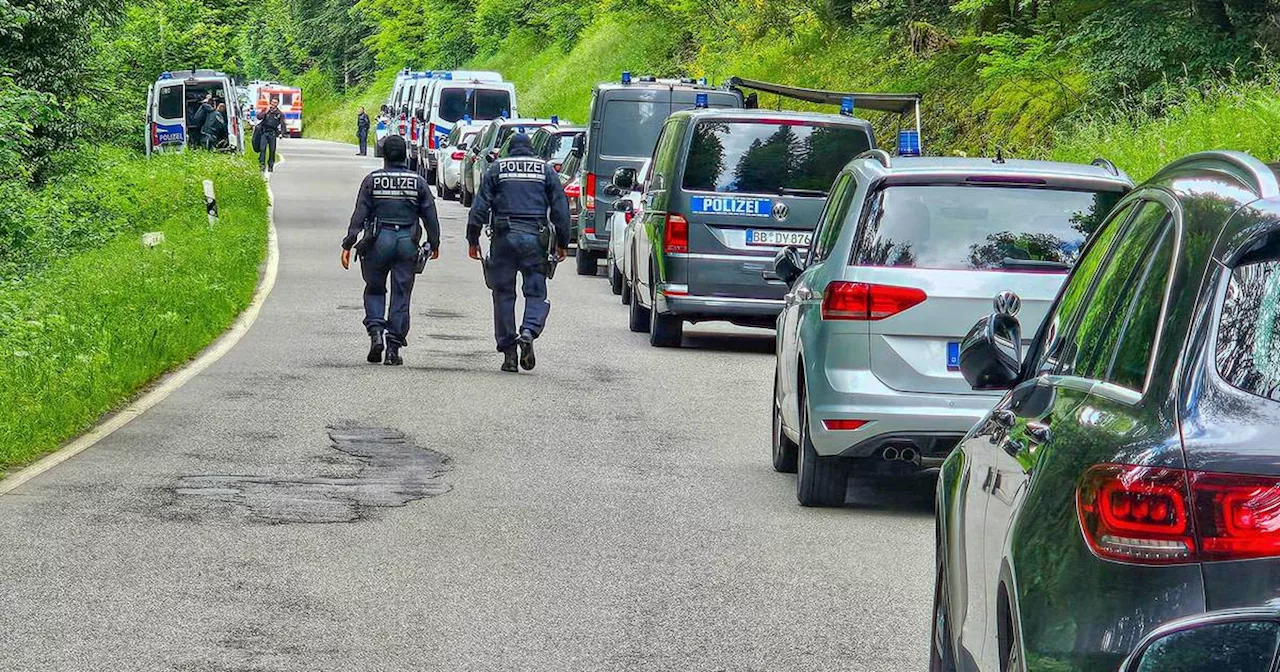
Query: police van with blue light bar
column 172, row 102
column 457, row 96
column 730, row 188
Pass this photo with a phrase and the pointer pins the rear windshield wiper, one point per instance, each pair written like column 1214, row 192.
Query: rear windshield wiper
column 788, row 191
column 1035, row 264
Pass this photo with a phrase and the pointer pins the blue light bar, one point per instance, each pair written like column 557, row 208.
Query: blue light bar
column 701, row 101
column 466, row 118
column 555, row 120
column 909, row 143
column 505, row 114
column 166, row 75
column 626, row 77
column 447, row 75
column 846, row 106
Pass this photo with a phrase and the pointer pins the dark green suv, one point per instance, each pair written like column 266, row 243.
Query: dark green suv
column 728, row 190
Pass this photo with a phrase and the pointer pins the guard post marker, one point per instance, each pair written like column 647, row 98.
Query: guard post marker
column 210, row 202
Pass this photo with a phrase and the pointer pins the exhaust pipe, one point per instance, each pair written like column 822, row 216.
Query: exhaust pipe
column 909, row 455
column 890, row 454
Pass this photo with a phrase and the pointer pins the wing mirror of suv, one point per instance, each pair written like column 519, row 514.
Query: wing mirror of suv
column 787, row 266
column 1243, row 641
column 579, row 145
column 624, row 178
column 991, row 355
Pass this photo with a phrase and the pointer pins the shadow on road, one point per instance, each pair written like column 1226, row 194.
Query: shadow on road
column 761, row 342
column 913, row 493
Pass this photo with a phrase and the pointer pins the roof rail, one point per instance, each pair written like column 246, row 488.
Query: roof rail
column 1254, row 173
column 877, row 154
column 1106, row 165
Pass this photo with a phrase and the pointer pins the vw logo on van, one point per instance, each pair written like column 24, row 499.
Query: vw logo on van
column 780, row 211
column 1007, row 303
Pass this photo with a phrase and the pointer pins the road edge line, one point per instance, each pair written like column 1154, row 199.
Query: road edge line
column 172, row 381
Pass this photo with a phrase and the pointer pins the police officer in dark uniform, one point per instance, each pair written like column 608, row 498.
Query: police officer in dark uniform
column 391, row 202
column 519, row 192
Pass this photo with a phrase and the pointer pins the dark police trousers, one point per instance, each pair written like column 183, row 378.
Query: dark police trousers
column 511, row 252
column 394, row 253
column 364, row 143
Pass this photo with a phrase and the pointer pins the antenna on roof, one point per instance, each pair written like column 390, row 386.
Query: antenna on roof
column 999, row 155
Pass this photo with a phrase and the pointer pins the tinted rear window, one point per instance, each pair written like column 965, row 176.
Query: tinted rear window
column 631, row 127
column 1248, row 348
column 558, row 147
column 170, row 104
column 980, row 228
column 481, row 104
column 770, row 158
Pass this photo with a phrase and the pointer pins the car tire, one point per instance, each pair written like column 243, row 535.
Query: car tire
column 665, row 331
column 637, row 315
column 626, row 291
column 585, row 262
column 941, row 656
column 820, row 481
column 615, row 279
column 431, row 175
column 785, row 451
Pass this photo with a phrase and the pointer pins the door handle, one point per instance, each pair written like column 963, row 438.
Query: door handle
column 789, row 298
column 1004, row 417
column 986, row 482
column 1038, row 432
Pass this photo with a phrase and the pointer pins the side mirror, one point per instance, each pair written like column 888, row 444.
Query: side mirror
column 421, row 115
column 612, row 190
column 579, row 145
column 787, row 266
column 624, row 179
column 404, row 110
column 1242, row 641
column 991, row 355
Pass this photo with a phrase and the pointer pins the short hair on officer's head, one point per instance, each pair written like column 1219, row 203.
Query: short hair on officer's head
column 394, row 149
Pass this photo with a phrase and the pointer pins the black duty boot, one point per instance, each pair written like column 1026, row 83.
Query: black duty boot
column 393, row 354
column 377, row 344
column 527, row 358
column 511, row 360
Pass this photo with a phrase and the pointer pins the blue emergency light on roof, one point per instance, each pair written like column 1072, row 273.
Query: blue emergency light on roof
column 466, row 118
column 447, row 75
column 166, row 75
column 909, row 143
column 700, row 101
column 555, row 120
column 506, row 113
column 846, row 106
column 626, row 77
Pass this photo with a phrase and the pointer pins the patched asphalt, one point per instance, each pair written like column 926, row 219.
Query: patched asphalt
column 294, row 508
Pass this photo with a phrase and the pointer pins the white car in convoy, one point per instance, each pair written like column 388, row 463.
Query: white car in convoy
column 448, row 159
column 627, row 210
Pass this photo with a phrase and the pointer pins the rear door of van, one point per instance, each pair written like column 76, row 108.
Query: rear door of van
column 169, row 116
column 752, row 186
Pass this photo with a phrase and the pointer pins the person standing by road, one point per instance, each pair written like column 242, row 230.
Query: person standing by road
column 362, row 131
column 519, row 192
column 271, row 125
column 390, row 204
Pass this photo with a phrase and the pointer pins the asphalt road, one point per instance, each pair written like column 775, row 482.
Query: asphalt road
column 293, row 508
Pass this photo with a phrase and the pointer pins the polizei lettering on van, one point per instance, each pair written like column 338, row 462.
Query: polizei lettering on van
column 731, row 205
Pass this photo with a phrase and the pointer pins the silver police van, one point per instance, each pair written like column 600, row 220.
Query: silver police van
column 174, row 98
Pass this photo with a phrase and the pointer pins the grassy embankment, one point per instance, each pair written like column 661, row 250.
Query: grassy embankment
column 964, row 113
column 87, row 322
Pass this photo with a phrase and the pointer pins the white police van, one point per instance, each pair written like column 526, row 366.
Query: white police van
column 458, row 96
column 172, row 102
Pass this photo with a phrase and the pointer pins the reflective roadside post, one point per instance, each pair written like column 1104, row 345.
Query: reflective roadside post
column 210, row 202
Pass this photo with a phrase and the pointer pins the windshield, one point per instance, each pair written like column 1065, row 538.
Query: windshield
column 480, row 104
column 770, row 157
column 980, row 227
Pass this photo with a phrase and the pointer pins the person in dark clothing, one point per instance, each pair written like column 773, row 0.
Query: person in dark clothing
column 272, row 124
column 198, row 119
column 396, row 199
column 362, row 131
column 214, row 130
column 519, row 192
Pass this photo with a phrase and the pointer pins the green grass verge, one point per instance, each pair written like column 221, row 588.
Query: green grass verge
column 82, row 335
column 331, row 115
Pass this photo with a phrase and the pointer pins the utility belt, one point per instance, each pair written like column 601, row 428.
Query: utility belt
column 389, row 226
column 502, row 225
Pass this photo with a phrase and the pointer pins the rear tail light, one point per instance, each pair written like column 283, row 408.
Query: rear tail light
column 628, row 216
column 556, row 166
column 1154, row 516
column 866, row 302
column 589, row 193
column 458, row 156
column 573, row 190
column 155, row 134
column 413, row 129
column 431, row 139
column 675, row 235
column 838, row 425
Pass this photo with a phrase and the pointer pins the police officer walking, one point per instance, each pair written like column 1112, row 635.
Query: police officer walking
column 390, row 204
column 271, row 125
column 519, row 192
column 362, row 131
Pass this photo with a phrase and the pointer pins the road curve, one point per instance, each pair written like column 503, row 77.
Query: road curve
column 293, row 508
